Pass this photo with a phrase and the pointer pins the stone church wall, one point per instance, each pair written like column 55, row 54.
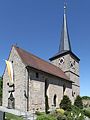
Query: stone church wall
column 55, row 87
column 20, row 77
column 36, row 86
column 71, row 68
column 37, row 91
column 65, row 66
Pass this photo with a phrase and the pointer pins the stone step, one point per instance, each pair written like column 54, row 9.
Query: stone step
column 29, row 117
column 25, row 115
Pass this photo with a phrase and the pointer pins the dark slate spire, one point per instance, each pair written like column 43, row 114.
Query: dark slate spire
column 65, row 41
column 65, row 47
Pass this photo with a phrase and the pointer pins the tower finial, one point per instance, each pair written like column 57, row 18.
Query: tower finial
column 65, row 6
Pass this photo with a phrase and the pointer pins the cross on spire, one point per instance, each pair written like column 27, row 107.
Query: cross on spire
column 65, row 7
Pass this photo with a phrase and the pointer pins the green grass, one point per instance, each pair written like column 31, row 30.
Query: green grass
column 88, row 109
column 9, row 116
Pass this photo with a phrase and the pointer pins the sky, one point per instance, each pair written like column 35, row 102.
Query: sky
column 35, row 25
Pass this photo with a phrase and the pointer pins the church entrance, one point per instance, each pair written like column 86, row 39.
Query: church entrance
column 11, row 101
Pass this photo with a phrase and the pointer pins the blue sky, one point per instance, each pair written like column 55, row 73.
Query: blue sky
column 35, row 25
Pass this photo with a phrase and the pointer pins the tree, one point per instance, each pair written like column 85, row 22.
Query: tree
column 65, row 103
column 1, row 87
column 78, row 102
column 86, row 98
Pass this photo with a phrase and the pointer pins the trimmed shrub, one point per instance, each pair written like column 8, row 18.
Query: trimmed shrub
column 78, row 102
column 65, row 103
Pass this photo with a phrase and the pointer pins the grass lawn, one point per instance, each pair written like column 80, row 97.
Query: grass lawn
column 88, row 109
column 9, row 116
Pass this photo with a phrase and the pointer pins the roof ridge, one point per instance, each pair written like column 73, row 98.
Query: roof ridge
column 37, row 57
column 37, row 63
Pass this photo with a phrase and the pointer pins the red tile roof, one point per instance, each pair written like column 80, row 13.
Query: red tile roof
column 33, row 61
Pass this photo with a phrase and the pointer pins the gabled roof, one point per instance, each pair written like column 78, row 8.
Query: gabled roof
column 35, row 62
column 64, row 53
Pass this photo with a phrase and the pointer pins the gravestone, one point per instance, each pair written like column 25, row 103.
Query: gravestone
column 2, row 115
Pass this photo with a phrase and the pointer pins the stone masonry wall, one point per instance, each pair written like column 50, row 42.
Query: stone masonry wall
column 36, row 86
column 71, row 68
column 20, row 77
column 55, row 87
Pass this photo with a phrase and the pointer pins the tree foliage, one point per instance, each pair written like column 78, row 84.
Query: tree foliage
column 1, row 85
column 86, row 98
column 78, row 102
column 65, row 103
column 87, row 113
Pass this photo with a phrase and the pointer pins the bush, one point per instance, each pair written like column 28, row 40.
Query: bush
column 65, row 103
column 78, row 102
column 59, row 117
column 87, row 113
column 75, row 114
column 61, row 111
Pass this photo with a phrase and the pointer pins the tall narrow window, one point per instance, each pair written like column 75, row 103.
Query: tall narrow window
column 54, row 100
column 46, row 86
column 37, row 75
column 46, row 97
column 64, row 88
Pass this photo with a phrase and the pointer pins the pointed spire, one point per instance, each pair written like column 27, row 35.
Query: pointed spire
column 65, row 41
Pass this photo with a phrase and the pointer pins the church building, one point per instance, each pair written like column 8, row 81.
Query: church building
column 36, row 81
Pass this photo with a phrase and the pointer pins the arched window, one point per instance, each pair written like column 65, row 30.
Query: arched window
column 54, row 100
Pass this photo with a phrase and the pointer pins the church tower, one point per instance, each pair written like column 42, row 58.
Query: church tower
column 66, row 60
